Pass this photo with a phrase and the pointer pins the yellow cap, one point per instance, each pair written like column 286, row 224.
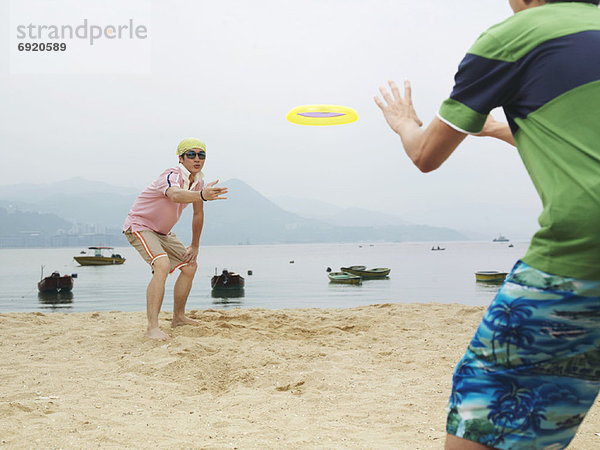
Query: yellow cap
column 188, row 144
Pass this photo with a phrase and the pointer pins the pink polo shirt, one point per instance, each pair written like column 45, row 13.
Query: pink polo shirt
column 153, row 210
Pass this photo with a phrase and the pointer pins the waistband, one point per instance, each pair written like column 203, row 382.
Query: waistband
column 526, row 275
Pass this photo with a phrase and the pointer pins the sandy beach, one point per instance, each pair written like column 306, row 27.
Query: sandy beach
column 367, row 377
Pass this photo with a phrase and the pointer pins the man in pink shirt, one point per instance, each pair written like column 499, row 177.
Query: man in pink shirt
column 148, row 229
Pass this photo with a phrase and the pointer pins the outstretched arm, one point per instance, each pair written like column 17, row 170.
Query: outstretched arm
column 209, row 192
column 427, row 148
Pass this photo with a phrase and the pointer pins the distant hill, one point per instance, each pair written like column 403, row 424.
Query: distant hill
column 77, row 210
column 306, row 207
column 247, row 217
column 102, row 209
column 34, row 229
column 77, row 200
column 19, row 223
column 477, row 221
column 363, row 218
column 334, row 215
column 42, row 191
column 484, row 221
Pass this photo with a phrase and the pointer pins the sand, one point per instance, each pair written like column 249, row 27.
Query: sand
column 368, row 377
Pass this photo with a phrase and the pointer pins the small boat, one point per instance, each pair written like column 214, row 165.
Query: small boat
column 344, row 278
column 363, row 272
column 500, row 238
column 55, row 299
column 438, row 248
column 227, row 281
column 227, row 296
column 98, row 258
column 491, row 276
column 56, row 282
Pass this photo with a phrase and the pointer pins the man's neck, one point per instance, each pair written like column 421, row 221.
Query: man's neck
column 192, row 178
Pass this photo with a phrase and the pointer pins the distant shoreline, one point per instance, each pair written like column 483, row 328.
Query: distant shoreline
column 124, row 243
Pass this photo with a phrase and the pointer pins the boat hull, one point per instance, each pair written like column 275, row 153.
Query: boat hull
column 490, row 276
column 227, row 281
column 369, row 274
column 344, row 278
column 56, row 284
column 98, row 260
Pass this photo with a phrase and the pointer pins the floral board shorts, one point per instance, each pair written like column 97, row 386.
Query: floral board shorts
column 532, row 370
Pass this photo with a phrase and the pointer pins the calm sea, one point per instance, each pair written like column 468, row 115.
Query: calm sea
column 283, row 276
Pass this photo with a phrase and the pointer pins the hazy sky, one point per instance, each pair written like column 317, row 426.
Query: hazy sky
column 228, row 71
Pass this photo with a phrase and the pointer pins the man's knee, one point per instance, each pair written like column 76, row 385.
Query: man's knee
column 189, row 269
column 161, row 266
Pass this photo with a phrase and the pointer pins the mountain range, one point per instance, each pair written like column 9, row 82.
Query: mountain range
column 82, row 207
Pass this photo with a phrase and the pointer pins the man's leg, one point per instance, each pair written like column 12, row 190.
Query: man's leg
column 182, row 288
column 531, row 372
column 154, row 297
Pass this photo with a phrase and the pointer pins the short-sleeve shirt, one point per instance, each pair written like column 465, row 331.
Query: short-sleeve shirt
column 542, row 65
column 153, row 210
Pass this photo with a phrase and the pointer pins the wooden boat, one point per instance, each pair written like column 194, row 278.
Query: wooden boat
column 56, row 283
column 363, row 272
column 55, row 299
column 344, row 278
column 98, row 258
column 227, row 281
column 491, row 276
column 227, row 296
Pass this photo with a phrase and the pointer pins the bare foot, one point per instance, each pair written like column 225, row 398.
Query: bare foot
column 157, row 334
column 182, row 320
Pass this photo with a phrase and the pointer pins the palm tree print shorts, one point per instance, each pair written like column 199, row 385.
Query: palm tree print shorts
column 532, row 370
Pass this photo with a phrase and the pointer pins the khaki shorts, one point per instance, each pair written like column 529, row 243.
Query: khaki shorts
column 152, row 246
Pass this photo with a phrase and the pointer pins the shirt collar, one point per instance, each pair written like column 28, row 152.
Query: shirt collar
column 185, row 174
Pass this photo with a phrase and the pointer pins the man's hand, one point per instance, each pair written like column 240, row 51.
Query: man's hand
column 214, row 193
column 398, row 111
column 191, row 254
column 427, row 147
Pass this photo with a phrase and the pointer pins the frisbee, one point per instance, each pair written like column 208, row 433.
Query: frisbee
column 321, row 115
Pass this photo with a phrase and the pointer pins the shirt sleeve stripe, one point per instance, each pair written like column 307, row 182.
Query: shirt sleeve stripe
column 461, row 117
column 451, row 125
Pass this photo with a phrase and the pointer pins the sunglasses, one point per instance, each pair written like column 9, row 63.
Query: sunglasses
column 191, row 154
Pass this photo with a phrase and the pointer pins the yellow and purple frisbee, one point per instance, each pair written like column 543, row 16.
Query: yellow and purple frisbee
column 321, row 115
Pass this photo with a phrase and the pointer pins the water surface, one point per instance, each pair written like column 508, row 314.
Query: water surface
column 283, row 276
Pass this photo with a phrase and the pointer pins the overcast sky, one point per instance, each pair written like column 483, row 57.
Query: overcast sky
column 228, row 71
